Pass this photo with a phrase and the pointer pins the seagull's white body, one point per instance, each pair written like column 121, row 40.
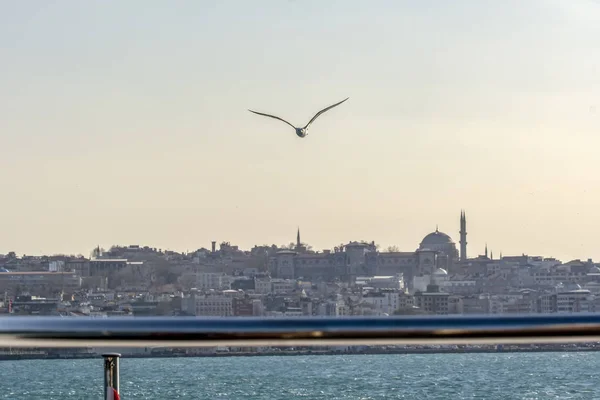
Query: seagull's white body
column 302, row 132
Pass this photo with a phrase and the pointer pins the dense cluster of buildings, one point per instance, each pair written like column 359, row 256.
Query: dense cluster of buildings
column 356, row 278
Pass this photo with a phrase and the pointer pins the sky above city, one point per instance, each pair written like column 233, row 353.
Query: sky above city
column 127, row 123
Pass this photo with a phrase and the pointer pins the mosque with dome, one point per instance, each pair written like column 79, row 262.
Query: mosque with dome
column 436, row 256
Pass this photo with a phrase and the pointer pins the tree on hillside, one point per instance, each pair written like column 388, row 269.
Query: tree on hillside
column 97, row 252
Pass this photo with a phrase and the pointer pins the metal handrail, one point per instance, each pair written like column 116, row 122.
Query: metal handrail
column 309, row 331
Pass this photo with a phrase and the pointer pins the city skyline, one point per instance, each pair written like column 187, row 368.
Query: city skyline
column 128, row 123
column 461, row 246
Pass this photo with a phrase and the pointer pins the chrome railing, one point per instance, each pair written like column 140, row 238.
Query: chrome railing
column 313, row 331
column 246, row 332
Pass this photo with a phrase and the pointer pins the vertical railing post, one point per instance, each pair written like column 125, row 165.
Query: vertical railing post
column 111, row 372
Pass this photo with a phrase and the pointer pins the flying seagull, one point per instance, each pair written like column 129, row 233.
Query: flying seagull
column 301, row 132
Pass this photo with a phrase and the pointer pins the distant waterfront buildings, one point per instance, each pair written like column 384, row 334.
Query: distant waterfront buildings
column 355, row 278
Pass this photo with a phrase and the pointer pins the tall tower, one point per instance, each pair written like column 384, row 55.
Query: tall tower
column 463, row 236
column 298, row 243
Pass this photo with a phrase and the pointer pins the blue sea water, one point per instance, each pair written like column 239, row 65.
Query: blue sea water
column 447, row 376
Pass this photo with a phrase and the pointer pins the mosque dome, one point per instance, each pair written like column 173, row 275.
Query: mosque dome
column 442, row 244
column 440, row 272
column 594, row 270
column 435, row 239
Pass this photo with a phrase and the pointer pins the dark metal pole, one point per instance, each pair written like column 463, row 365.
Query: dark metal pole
column 111, row 371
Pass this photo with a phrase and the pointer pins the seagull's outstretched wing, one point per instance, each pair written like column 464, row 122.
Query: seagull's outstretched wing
column 272, row 116
column 323, row 110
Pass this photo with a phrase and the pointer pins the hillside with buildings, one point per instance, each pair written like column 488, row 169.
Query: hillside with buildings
column 355, row 278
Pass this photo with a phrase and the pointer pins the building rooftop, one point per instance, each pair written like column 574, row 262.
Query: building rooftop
column 35, row 273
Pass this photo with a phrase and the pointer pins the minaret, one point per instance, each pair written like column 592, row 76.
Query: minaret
column 298, row 239
column 486, row 252
column 463, row 236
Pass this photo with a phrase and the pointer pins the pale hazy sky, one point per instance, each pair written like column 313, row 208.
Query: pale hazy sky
column 127, row 123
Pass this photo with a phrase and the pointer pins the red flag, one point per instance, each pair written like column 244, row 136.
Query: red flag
column 111, row 394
